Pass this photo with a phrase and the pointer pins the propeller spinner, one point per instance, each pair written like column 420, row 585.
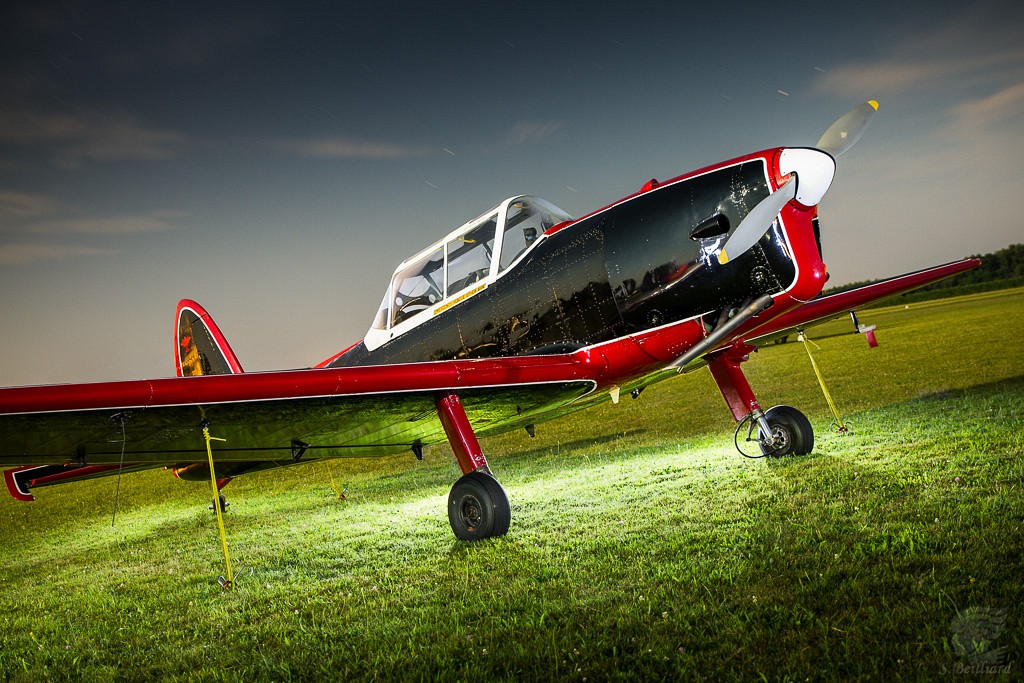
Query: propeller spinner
column 809, row 167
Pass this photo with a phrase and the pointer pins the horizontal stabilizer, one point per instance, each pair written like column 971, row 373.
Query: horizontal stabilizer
column 200, row 347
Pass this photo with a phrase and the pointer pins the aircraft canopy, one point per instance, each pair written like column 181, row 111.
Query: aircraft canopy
column 461, row 264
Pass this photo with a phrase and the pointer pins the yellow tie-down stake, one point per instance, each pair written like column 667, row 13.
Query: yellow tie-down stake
column 840, row 425
column 226, row 582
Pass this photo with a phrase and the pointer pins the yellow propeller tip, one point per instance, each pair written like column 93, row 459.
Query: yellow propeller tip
column 874, row 104
column 723, row 258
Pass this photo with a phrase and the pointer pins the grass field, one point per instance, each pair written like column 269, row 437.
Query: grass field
column 642, row 546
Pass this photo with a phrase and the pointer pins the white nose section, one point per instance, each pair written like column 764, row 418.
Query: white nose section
column 814, row 171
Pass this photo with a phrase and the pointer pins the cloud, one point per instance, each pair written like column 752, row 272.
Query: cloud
column 193, row 46
column 903, row 73
column 337, row 147
column 87, row 135
column 199, row 44
column 16, row 205
column 110, row 225
column 26, row 213
column 977, row 46
column 879, row 78
column 531, row 132
column 23, row 254
column 994, row 108
column 44, row 230
column 118, row 138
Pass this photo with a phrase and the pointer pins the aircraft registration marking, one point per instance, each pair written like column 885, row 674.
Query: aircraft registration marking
column 460, row 298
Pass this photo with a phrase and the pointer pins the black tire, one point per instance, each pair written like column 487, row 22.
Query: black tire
column 792, row 430
column 478, row 507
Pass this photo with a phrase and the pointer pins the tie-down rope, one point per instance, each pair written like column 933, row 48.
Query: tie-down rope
column 843, row 429
column 216, row 504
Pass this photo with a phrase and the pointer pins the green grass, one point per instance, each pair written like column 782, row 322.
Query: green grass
column 642, row 546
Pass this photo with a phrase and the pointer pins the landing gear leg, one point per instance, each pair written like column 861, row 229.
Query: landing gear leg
column 477, row 505
column 780, row 431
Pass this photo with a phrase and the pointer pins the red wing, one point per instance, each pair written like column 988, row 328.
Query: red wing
column 829, row 307
column 270, row 416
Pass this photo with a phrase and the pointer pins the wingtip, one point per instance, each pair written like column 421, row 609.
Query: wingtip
column 16, row 486
column 723, row 258
column 874, row 104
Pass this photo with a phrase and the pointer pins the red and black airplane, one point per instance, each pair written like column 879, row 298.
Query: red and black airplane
column 521, row 315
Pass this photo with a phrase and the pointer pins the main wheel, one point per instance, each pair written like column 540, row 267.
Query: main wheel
column 478, row 507
column 792, row 432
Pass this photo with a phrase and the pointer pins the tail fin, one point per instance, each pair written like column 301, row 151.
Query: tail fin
column 201, row 349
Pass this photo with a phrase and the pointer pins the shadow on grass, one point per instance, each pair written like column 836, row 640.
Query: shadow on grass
column 1013, row 384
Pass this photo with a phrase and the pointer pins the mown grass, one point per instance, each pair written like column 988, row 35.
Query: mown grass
column 642, row 545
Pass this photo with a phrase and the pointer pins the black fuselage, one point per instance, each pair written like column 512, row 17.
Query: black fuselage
column 634, row 266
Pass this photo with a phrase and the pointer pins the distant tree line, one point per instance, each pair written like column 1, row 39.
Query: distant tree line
column 998, row 270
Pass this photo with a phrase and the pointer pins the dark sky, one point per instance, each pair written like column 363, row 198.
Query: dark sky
column 276, row 161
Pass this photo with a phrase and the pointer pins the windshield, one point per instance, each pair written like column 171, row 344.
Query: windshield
column 465, row 258
column 418, row 286
column 469, row 256
column 527, row 219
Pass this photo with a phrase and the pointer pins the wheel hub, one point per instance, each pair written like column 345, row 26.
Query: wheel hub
column 471, row 512
column 780, row 439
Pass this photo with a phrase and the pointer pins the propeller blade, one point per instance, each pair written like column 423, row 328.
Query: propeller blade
column 756, row 223
column 841, row 135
